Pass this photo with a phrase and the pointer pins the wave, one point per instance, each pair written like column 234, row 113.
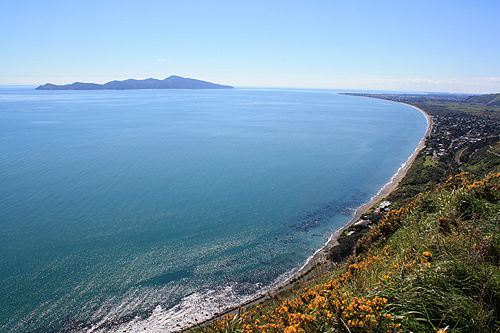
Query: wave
column 193, row 309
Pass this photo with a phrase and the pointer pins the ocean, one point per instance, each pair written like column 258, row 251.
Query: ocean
column 150, row 209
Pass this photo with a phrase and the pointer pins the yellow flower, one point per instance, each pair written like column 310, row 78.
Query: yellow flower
column 427, row 254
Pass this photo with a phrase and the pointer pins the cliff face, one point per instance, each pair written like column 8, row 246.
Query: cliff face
column 171, row 82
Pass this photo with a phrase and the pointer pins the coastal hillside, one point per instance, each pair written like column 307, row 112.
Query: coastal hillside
column 430, row 266
column 489, row 99
column 171, row 82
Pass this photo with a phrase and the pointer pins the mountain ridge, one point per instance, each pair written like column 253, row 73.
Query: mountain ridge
column 488, row 99
column 171, row 82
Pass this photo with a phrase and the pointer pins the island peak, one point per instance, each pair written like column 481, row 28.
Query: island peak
column 171, row 82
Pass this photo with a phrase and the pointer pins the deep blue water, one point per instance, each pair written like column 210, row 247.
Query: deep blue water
column 118, row 203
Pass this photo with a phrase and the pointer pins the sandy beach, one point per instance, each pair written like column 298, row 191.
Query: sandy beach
column 320, row 256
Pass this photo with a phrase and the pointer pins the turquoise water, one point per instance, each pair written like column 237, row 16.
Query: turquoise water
column 151, row 204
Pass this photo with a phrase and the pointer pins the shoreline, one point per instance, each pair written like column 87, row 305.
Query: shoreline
column 320, row 256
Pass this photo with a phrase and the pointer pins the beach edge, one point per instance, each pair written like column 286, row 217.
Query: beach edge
column 320, row 255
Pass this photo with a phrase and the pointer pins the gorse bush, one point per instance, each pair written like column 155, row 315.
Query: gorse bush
column 430, row 266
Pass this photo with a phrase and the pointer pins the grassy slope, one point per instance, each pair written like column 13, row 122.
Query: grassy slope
column 491, row 99
column 483, row 160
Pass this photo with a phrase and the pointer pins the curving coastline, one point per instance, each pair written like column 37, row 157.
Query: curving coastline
column 320, row 256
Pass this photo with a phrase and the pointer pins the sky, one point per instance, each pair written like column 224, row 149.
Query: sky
column 435, row 46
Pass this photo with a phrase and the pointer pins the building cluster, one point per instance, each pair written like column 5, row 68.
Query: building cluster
column 451, row 134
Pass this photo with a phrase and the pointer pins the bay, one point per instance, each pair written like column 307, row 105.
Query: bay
column 168, row 205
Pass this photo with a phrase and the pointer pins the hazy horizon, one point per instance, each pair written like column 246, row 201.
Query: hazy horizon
column 271, row 88
column 444, row 46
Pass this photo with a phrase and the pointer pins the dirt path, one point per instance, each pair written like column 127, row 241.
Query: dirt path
column 459, row 154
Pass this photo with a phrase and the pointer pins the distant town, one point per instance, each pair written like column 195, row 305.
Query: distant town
column 451, row 136
column 461, row 124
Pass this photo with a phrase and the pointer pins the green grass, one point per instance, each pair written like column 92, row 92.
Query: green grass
column 460, row 287
column 420, row 177
column 482, row 162
column 461, row 108
column 496, row 148
column 428, row 161
column 490, row 99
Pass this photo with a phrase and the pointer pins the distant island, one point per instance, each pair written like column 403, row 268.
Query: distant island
column 171, row 82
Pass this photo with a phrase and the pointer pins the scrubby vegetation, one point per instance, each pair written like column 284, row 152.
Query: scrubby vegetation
column 432, row 265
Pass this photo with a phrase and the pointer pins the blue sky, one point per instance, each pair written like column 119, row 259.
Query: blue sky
column 446, row 46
